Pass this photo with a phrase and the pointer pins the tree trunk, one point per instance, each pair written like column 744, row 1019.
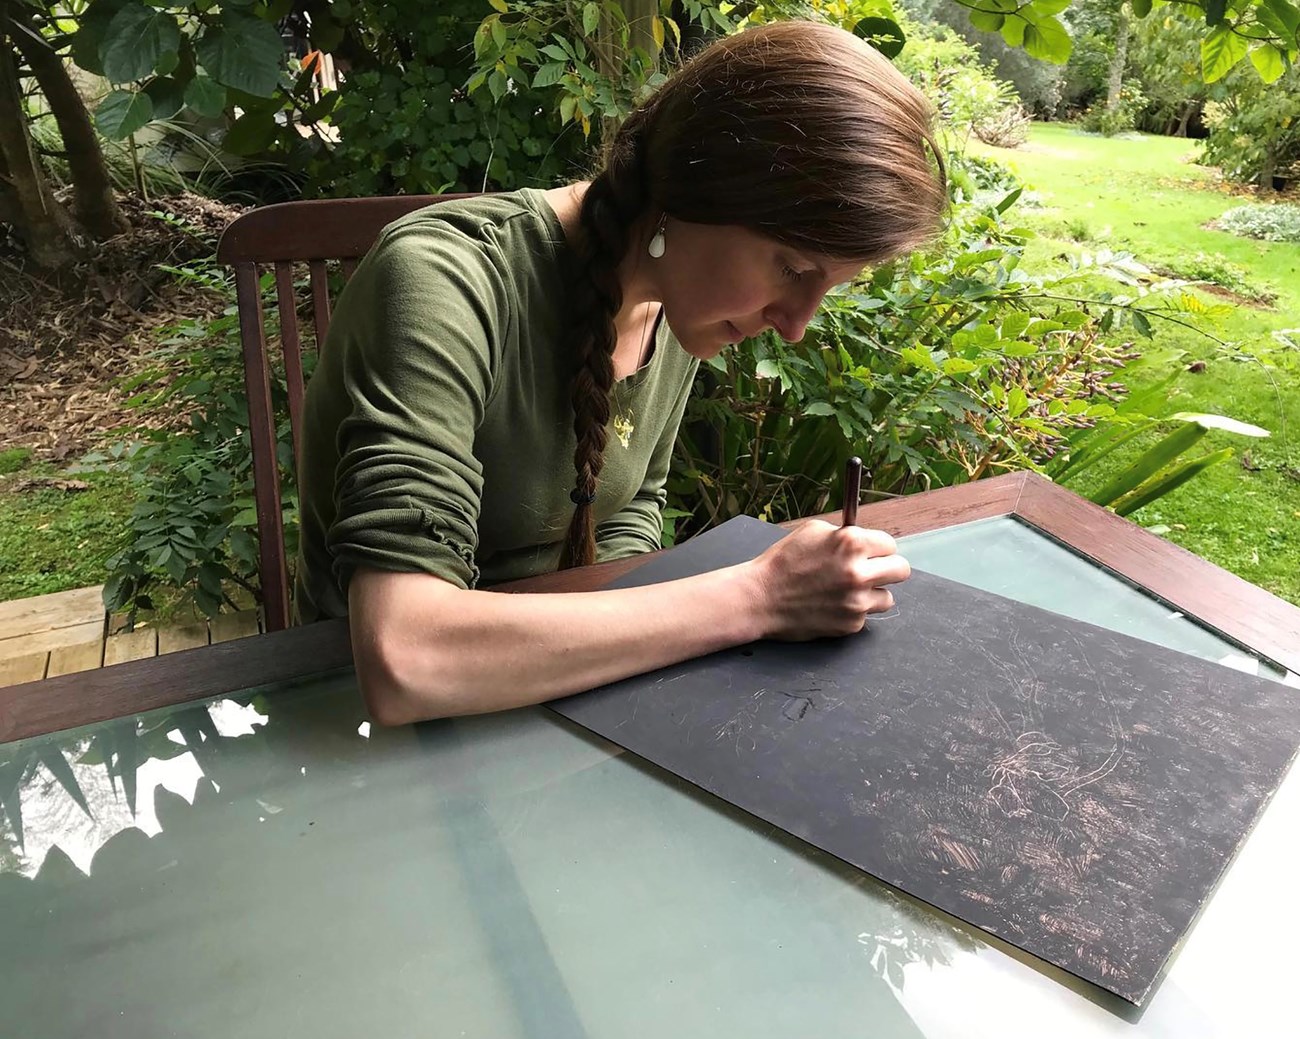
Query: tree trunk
column 43, row 223
column 1188, row 108
column 1115, row 82
column 94, row 206
column 1267, row 168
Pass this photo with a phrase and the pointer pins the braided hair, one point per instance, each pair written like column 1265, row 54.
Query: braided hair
column 796, row 130
column 612, row 203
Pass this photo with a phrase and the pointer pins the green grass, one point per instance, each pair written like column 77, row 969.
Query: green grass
column 53, row 539
column 1141, row 195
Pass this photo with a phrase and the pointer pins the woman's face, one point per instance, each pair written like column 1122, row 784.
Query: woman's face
column 720, row 284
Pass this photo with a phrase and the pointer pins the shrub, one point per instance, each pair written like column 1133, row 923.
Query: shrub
column 1100, row 118
column 194, row 526
column 406, row 122
column 1274, row 223
column 936, row 369
column 968, row 97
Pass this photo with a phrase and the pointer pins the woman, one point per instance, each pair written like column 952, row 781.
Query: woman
column 504, row 377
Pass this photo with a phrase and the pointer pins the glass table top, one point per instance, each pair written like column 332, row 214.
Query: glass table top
column 270, row 864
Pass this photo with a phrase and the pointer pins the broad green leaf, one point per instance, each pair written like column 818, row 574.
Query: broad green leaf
column 92, row 27
column 1013, row 32
column 134, row 41
column 320, row 108
column 1014, row 323
column 1228, row 425
column 1142, row 323
column 987, row 21
column 499, row 5
column 1214, row 12
column 1146, row 494
column 958, row 366
column 1048, row 40
column 242, row 52
column 122, row 113
column 205, row 97
column 1017, row 402
column 819, row 407
column 251, row 133
column 1268, row 63
column 918, row 357
column 882, row 33
column 657, row 31
column 1149, row 463
column 1220, row 51
column 590, row 18
column 1044, row 8
column 498, row 31
column 1020, row 349
column 167, row 96
column 548, row 75
column 1287, row 13
column 1141, row 8
column 767, row 370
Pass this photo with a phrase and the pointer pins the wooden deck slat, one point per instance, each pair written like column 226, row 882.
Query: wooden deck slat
column 184, row 636
column 228, row 626
column 39, row 613
column 68, row 660
column 131, row 645
column 29, row 668
column 44, row 641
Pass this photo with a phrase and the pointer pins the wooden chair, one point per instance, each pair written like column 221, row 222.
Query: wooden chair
column 312, row 233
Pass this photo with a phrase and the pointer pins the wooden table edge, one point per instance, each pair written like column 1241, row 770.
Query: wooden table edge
column 1261, row 622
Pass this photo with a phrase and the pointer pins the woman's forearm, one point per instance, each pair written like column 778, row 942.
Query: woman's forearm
column 426, row 649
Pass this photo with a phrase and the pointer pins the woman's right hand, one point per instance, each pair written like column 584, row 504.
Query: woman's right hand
column 824, row 580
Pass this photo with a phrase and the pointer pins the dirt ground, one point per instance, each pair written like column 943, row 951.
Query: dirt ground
column 67, row 341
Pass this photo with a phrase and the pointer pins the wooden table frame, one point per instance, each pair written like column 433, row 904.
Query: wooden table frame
column 1255, row 619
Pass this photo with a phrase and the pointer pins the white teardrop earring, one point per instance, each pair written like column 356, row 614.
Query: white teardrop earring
column 656, row 248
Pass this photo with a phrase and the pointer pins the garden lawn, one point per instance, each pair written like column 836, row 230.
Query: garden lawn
column 1143, row 195
column 57, row 528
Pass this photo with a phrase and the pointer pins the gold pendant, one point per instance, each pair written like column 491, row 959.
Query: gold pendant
column 623, row 429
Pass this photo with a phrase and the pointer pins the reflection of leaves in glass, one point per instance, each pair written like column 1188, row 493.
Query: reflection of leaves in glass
column 18, row 767
column 915, row 935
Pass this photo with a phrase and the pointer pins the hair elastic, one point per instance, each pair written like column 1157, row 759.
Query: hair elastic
column 581, row 499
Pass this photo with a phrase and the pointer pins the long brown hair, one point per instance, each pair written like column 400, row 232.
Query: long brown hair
column 798, row 130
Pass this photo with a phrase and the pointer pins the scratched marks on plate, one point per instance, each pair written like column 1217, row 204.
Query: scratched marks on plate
column 1073, row 791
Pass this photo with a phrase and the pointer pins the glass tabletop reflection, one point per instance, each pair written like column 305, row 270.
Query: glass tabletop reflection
column 269, row 863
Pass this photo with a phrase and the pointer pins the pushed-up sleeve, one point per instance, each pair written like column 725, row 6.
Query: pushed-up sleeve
column 421, row 326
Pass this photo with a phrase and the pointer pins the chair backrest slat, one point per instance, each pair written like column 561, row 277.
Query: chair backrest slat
column 292, row 232
column 320, row 301
column 261, row 427
column 289, row 342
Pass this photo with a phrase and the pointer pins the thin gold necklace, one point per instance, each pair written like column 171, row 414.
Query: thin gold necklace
column 623, row 422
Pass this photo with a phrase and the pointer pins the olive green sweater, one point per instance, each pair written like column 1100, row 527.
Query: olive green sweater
column 438, row 429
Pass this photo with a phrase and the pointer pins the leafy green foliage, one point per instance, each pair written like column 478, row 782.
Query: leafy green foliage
column 408, row 125
column 966, row 94
column 1160, row 467
column 194, row 524
column 583, row 63
column 1266, row 32
column 1101, row 118
column 936, row 369
column 1255, row 128
column 1273, row 223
